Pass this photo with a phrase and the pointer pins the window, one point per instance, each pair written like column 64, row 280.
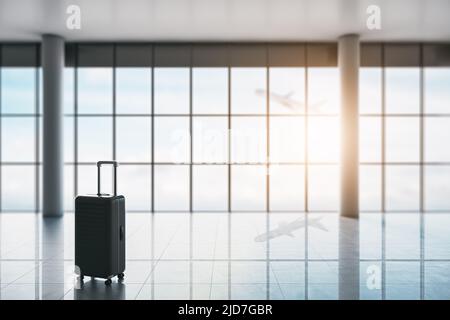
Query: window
column 436, row 131
column 20, row 131
column 400, row 134
column 323, row 139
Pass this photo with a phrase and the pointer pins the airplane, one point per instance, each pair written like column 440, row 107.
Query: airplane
column 286, row 229
column 287, row 101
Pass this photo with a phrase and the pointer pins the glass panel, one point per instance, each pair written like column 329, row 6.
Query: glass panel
column 248, row 139
column 171, row 90
column 69, row 90
column 133, row 139
column 287, row 90
column 18, row 188
column 287, row 139
column 323, row 182
column 287, row 187
column 402, row 187
column 248, row 187
column 40, row 92
column 323, row 85
column 210, row 139
column 437, row 187
column 172, row 139
column 68, row 139
column 134, row 182
column 69, row 197
column 437, row 90
column 40, row 140
column 95, row 90
column 370, row 188
column 210, row 90
column 18, row 139
column 18, row 90
column 94, row 138
column 248, row 90
column 437, row 130
column 210, row 187
column 370, row 139
column 402, row 139
column 133, row 90
column 402, row 90
column 323, row 139
column 370, row 90
column 171, row 187
column 87, row 180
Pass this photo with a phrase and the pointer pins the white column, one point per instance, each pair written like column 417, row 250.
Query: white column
column 348, row 61
column 53, row 66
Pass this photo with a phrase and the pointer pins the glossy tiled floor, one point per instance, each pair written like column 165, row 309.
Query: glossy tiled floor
column 238, row 256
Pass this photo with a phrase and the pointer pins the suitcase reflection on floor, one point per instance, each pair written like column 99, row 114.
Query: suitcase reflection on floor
column 95, row 289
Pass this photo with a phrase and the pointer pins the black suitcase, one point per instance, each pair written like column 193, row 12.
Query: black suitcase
column 100, row 232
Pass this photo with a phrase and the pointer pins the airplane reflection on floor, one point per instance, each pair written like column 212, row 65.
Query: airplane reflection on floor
column 286, row 229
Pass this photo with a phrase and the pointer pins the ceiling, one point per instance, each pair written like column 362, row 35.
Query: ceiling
column 225, row 20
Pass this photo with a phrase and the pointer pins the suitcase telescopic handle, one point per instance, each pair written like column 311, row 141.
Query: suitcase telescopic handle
column 115, row 164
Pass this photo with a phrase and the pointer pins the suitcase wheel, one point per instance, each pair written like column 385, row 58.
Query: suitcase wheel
column 108, row 282
column 121, row 276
